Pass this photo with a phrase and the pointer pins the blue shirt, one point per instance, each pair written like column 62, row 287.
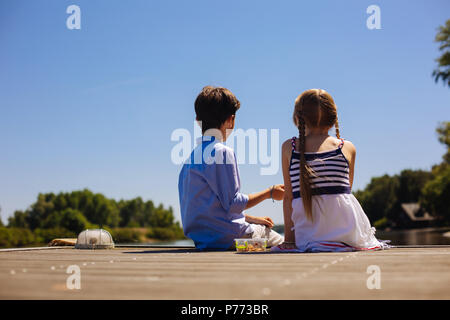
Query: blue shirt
column 210, row 200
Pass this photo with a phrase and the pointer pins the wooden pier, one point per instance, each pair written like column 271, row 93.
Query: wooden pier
column 168, row 273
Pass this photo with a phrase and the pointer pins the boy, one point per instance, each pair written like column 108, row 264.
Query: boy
column 209, row 187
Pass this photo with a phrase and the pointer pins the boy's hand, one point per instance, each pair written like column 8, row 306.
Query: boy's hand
column 278, row 192
column 267, row 221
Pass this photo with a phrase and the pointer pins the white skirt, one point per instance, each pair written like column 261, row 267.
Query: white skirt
column 338, row 220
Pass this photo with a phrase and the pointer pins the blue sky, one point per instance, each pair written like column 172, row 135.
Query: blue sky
column 94, row 108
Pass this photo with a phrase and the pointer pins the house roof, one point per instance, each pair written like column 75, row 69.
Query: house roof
column 415, row 212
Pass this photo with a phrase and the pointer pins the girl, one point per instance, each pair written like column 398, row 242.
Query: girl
column 320, row 212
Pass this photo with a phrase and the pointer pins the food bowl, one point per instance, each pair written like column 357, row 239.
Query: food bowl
column 251, row 245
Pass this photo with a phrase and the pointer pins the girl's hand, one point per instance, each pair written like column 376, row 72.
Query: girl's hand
column 277, row 192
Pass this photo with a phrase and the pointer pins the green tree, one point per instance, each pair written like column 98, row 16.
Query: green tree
column 443, row 69
column 98, row 209
column 73, row 220
column 379, row 198
column 63, row 214
column 383, row 196
column 411, row 183
column 40, row 210
column 443, row 131
column 136, row 212
column 162, row 217
column 18, row 220
column 435, row 196
column 69, row 219
column 132, row 213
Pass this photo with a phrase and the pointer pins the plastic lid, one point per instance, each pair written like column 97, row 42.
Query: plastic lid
column 94, row 239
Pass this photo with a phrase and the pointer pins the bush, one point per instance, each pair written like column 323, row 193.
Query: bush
column 23, row 237
column 169, row 233
column 126, row 235
column 16, row 237
column 382, row 223
column 47, row 235
column 5, row 238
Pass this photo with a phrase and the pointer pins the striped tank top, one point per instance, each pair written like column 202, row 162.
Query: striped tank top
column 331, row 171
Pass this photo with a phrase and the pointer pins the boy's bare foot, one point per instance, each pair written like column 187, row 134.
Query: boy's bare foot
column 285, row 247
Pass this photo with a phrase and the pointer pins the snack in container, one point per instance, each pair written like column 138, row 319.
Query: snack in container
column 251, row 245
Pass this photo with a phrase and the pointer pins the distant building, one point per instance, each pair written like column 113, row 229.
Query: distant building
column 414, row 216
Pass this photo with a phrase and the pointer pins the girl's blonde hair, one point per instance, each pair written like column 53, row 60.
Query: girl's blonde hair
column 314, row 108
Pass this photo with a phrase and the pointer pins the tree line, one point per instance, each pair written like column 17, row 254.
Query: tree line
column 67, row 213
column 383, row 196
column 80, row 209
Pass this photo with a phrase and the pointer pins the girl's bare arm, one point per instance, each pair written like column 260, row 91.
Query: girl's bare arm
column 349, row 152
column 255, row 198
column 289, row 235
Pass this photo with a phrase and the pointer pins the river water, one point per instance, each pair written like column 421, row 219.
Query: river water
column 426, row 236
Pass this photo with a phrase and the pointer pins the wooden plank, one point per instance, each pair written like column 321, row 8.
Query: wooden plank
column 184, row 273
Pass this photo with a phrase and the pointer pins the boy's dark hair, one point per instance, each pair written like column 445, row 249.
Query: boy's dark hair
column 214, row 105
